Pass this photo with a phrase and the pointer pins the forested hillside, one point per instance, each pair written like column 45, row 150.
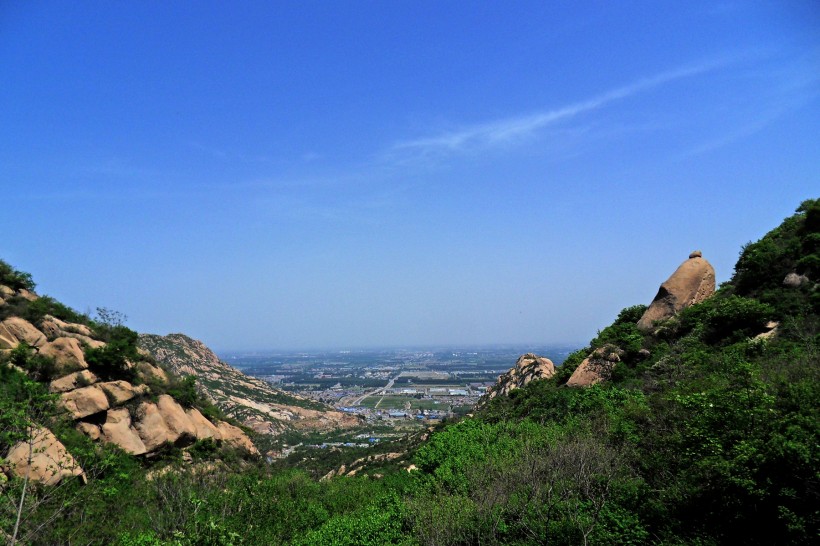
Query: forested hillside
column 704, row 431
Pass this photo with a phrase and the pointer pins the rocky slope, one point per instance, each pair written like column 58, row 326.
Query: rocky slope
column 252, row 401
column 137, row 414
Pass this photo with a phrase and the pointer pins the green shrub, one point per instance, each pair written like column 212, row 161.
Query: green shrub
column 15, row 279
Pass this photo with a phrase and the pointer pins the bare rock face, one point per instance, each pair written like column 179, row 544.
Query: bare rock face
column 596, row 367
column 151, row 426
column 148, row 372
column 73, row 381
column 204, row 428
column 118, row 430
column 66, row 352
column 120, row 392
column 84, row 401
column 178, row 423
column 89, row 429
column 234, row 436
column 14, row 330
column 54, row 328
column 45, row 459
column 691, row 283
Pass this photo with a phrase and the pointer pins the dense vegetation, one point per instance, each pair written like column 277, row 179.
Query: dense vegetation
column 706, row 434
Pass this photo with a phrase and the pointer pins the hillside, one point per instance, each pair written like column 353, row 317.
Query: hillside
column 694, row 419
column 251, row 401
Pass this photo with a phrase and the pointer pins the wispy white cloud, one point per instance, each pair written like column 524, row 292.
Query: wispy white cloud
column 505, row 131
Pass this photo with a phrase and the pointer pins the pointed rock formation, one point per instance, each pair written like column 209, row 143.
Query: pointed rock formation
column 691, row 283
column 527, row 368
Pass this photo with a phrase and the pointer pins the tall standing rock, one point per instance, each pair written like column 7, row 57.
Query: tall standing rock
column 691, row 283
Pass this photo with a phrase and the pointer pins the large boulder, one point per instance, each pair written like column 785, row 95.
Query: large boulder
column 204, row 428
column 73, row 381
column 66, row 352
column 151, row 426
column 14, row 330
column 176, row 420
column 118, row 430
column 85, row 401
column 596, row 367
column 120, row 392
column 233, row 436
column 691, row 283
column 54, row 328
column 150, row 373
column 45, row 459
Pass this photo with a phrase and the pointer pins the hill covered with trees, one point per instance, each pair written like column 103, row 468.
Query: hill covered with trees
column 704, row 431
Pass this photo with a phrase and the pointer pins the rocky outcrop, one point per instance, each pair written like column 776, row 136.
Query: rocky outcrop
column 234, row 437
column 151, row 374
column 84, row 401
column 204, row 428
column 691, row 283
column 118, row 430
column 596, row 367
column 15, row 330
column 44, row 459
column 98, row 407
column 73, row 381
column 178, row 424
column 120, row 392
column 53, row 328
column 66, row 352
column 527, row 368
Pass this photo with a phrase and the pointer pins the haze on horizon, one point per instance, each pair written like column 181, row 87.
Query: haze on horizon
column 291, row 175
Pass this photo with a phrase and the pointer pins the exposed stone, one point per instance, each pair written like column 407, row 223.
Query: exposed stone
column 696, row 254
column 793, row 280
column 5, row 292
column 89, row 429
column 118, row 430
column 66, row 352
column 771, row 331
column 66, row 327
column 691, row 283
column 204, row 428
column 27, row 294
column 14, row 330
column 73, row 381
column 644, row 354
column 151, row 426
column 148, row 372
column 45, row 459
column 54, row 328
column 234, row 436
column 84, row 401
column 120, row 392
column 596, row 367
column 178, row 423
column 249, row 399
column 527, row 368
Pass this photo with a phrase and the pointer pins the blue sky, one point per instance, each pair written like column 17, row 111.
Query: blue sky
column 266, row 175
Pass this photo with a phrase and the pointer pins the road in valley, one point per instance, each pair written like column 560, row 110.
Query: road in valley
column 380, row 390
